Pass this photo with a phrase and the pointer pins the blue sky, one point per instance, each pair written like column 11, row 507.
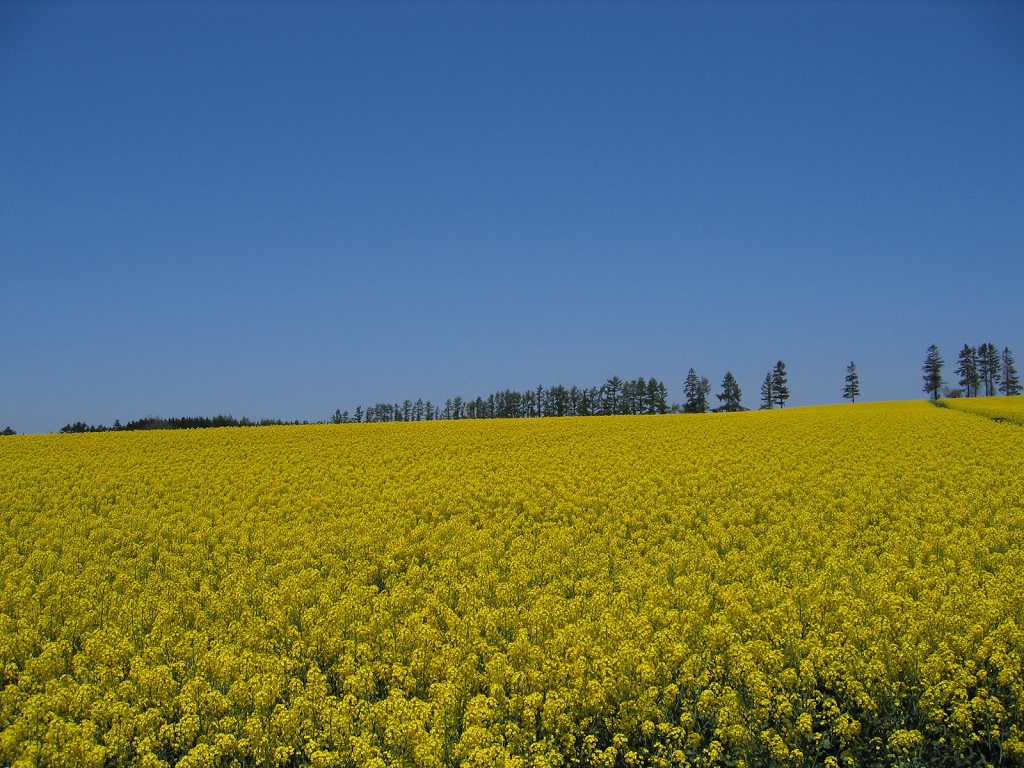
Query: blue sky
column 276, row 210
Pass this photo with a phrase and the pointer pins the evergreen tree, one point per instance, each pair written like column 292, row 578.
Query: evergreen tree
column 780, row 392
column 651, row 398
column 636, row 391
column 851, row 390
column 703, row 391
column 967, row 370
column 932, row 368
column 988, row 367
column 662, row 403
column 557, row 401
column 575, row 401
column 530, row 403
column 730, row 395
column 691, row 390
column 767, row 392
column 1011, row 382
column 637, row 394
column 696, row 389
column 611, row 393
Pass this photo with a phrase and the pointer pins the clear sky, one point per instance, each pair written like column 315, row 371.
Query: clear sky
column 275, row 210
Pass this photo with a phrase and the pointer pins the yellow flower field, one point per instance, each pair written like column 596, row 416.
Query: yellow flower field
column 1004, row 408
column 819, row 586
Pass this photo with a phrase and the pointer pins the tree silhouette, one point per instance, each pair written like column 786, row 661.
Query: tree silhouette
column 696, row 390
column 780, row 390
column 932, row 368
column 730, row 395
column 851, row 390
column 967, row 370
column 1010, row 384
column 767, row 392
column 988, row 367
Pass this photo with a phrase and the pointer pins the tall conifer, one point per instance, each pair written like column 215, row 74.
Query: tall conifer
column 730, row 395
column 767, row 392
column 1010, row 384
column 988, row 367
column 780, row 390
column 932, row 368
column 967, row 370
column 851, row 389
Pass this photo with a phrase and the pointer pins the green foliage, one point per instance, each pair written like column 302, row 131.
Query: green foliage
column 1010, row 384
column 967, row 370
column 767, row 392
column 988, row 367
column 851, row 389
column 932, row 368
column 696, row 391
column 780, row 382
column 731, row 395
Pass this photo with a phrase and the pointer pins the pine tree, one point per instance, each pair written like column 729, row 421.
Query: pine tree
column 967, row 370
column 611, row 395
column 691, row 389
column 703, row 391
column 650, row 397
column 1011, row 382
column 851, row 390
column 730, row 395
column 988, row 367
column 662, row 398
column 932, row 368
column 780, row 391
column 767, row 392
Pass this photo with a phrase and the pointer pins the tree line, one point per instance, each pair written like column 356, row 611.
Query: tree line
column 616, row 397
column 186, row 422
column 981, row 368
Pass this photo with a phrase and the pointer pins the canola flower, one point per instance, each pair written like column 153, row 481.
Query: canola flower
column 999, row 408
column 826, row 586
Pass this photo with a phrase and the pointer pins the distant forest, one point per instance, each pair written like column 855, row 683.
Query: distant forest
column 186, row 422
column 980, row 369
column 614, row 397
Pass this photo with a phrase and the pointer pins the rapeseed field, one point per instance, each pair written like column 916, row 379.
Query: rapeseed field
column 999, row 408
column 831, row 586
